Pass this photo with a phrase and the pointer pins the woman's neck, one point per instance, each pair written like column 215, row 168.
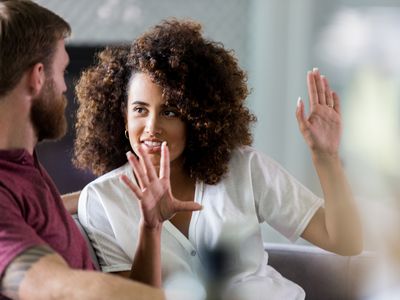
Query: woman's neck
column 181, row 184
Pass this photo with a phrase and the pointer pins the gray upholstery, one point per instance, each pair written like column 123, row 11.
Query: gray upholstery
column 321, row 274
column 85, row 236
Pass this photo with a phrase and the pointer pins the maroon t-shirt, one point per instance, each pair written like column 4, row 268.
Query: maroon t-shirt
column 32, row 213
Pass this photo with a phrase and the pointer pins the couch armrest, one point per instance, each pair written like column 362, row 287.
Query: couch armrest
column 322, row 275
column 85, row 236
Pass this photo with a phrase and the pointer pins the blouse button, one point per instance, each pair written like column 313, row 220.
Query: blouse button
column 193, row 253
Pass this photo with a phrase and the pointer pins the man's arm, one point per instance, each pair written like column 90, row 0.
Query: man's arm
column 40, row 273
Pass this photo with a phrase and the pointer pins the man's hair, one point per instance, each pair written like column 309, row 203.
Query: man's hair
column 28, row 35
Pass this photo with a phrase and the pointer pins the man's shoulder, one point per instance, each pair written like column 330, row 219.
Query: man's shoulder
column 13, row 187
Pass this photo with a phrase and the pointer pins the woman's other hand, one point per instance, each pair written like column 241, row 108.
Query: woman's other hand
column 322, row 128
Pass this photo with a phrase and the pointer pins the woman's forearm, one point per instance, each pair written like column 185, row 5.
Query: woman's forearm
column 342, row 220
column 146, row 266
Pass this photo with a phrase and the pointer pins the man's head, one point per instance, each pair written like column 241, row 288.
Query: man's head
column 48, row 107
column 32, row 36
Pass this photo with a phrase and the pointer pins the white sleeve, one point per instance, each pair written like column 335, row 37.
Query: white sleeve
column 281, row 201
column 96, row 223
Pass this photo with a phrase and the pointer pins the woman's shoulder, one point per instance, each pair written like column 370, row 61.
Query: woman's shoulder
column 110, row 178
column 247, row 157
column 105, row 190
column 249, row 154
column 112, row 175
column 244, row 150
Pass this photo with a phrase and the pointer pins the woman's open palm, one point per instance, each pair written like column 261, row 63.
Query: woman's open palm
column 322, row 128
column 156, row 201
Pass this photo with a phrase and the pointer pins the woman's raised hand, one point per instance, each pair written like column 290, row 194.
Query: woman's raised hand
column 156, row 201
column 322, row 128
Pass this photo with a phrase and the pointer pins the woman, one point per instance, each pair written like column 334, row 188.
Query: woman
column 177, row 100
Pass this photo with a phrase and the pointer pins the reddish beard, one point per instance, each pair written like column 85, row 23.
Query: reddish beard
column 48, row 113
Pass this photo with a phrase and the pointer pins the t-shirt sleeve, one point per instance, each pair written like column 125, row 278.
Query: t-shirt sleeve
column 96, row 223
column 281, row 201
column 15, row 234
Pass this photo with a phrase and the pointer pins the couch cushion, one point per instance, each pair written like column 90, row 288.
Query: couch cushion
column 322, row 275
column 85, row 236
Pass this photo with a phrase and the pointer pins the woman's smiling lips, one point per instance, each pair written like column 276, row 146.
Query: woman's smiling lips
column 151, row 145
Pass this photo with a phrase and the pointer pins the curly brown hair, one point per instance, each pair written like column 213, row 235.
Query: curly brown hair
column 197, row 76
column 100, row 143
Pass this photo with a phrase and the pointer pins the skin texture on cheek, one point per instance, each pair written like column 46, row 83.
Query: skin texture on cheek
column 150, row 122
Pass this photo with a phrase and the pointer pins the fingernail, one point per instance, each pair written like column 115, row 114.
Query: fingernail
column 298, row 102
column 128, row 154
column 315, row 69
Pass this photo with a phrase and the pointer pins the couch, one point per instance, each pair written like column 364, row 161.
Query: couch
column 323, row 275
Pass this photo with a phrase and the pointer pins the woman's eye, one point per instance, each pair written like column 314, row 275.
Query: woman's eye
column 139, row 109
column 170, row 113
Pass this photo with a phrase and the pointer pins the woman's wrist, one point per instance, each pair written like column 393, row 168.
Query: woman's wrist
column 150, row 228
column 326, row 158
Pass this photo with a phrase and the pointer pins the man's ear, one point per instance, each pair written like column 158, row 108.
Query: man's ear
column 36, row 79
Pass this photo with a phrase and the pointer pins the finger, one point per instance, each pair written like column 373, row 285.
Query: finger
column 336, row 102
column 164, row 163
column 141, row 176
column 134, row 188
column 328, row 92
column 301, row 119
column 320, row 87
column 148, row 166
column 186, row 206
column 312, row 90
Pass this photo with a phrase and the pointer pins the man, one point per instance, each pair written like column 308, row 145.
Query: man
column 42, row 253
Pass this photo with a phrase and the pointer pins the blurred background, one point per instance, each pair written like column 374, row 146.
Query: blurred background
column 355, row 43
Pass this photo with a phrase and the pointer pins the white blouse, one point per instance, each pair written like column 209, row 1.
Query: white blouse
column 255, row 189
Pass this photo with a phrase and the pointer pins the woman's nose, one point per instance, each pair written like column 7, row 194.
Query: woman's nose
column 153, row 126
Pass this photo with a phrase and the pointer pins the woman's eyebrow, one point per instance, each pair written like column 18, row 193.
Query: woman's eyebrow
column 139, row 102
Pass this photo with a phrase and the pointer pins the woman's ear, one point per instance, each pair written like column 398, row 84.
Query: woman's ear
column 126, row 124
column 36, row 79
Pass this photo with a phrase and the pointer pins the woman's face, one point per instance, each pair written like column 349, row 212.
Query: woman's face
column 150, row 121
